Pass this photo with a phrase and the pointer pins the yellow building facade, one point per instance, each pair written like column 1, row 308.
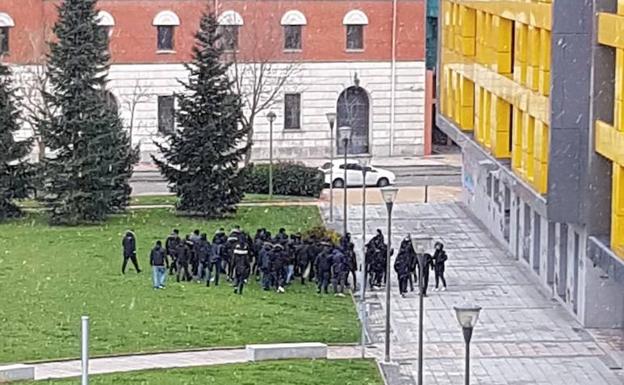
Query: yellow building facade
column 533, row 93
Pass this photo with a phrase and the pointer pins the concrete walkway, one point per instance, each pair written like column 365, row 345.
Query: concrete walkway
column 523, row 335
column 67, row 369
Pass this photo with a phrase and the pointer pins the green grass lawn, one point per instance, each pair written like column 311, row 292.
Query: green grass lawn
column 290, row 372
column 50, row 276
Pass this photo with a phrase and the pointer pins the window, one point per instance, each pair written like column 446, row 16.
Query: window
column 293, row 22
column 229, row 37
column 354, row 22
column 230, row 23
column 292, row 37
column 4, row 40
column 166, row 112
column 292, row 111
column 355, row 37
column 105, row 22
column 165, row 23
column 165, row 38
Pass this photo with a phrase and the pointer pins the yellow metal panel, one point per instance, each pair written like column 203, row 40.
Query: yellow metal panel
column 466, row 119
column 521, row 56
column 501, row 129
column 487, row 106
column 619, row 76
column 468, row 46
column 530, row 13
column 468, row 22
column 609, row 142
column 617, row 214
column 530, row 144
column 610, row 29
column 516, row 148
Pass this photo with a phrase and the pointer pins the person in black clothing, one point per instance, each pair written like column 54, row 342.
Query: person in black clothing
column 264, row 262
column 439, row 259
column 427, row 260
column 340, row 269
column 129, row 252
column 378, row 256
column 171, row 245
column 214, row 264
column 348, row 249
column 303, row 259
column 402, row 265
column 204, row 252
column 228, row 254
column 278, row 267
column 281, row 236
column 241, row 268
column 183, row 252
column 159, row 263
column 322, row 265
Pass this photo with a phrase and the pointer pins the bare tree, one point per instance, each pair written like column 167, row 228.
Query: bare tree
column 139, row 95
column 259, row 79
column 34, row 82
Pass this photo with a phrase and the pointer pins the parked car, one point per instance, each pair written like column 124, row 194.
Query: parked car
column 375, row 176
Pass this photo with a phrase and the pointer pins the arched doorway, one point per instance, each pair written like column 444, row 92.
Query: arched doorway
column 354, row 110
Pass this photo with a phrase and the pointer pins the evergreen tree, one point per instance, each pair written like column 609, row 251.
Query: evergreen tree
column 87, row 175
column 202, row 155
column 15, row 172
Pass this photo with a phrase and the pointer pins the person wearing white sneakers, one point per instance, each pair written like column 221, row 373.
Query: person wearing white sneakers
column 439, row 259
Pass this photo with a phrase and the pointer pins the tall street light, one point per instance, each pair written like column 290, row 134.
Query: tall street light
column 271, row 117
column 420, row 255
column 467, row 316
column 345, row 133
column 331, row 119
column 389, row 195
column 363, row 267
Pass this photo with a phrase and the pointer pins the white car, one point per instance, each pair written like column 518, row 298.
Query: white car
column 375, row 176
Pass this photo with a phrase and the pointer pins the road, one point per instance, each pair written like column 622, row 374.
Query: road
column 151, row 183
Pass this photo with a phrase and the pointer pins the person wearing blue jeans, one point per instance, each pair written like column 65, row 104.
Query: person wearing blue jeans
column 158, row 261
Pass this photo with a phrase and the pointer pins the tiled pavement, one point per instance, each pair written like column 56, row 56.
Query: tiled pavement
column 523, row 336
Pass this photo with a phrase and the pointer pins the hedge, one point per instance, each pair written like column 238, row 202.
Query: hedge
column 289, row 178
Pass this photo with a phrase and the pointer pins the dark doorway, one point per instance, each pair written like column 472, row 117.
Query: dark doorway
column 354, row 111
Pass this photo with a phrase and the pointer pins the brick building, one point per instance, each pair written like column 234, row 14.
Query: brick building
column 333, row 55
column 532, row 91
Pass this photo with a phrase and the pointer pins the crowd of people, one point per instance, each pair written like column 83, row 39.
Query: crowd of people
column 277, row 261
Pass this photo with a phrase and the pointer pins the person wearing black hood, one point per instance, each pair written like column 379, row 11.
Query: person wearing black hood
column 216, row 253
column 439, row 260
column 170, row 247
column 158, row 261
column 281, row 236
column 264, row 261
column 323, row 265
column 204, row 251
column 378, row 255
column 348, row 249
column 183, row 254
column 278, row 267
column 129, row 252
column 242, row 268
column 340, row 269
column 402, row 265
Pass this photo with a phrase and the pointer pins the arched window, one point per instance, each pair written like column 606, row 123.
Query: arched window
column 105, row 22
column 165, row 23
column 6, row 23
column 354, row 22
column 230, row 23
column 293, row 22
column 353, row 110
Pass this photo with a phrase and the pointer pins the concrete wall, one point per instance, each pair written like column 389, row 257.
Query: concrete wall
column 320, row 84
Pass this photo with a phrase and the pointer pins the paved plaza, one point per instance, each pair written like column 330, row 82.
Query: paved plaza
column 523, row 336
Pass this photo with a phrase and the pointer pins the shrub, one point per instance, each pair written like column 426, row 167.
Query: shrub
column 321, row 232
column 288, row 179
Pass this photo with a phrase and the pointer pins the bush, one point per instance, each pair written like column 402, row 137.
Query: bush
column 288, row 179
column 321, row 232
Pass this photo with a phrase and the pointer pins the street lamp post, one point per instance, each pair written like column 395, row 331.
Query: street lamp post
column 331, row 119
column 420, row 254
column 467, row 316
column 345, row 136
column 271, row 117
column 363, row 267
column 389, row 195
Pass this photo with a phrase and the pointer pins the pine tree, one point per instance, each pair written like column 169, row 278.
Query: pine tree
column 87, row 175
column 202, row 155
column 15, row 172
